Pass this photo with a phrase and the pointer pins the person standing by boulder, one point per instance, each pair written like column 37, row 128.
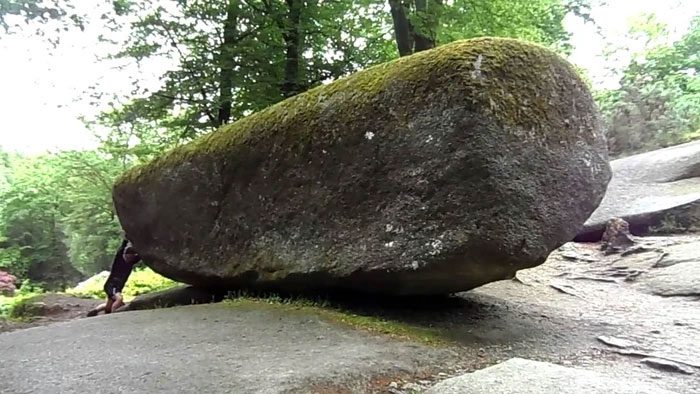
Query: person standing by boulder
column 124, row 261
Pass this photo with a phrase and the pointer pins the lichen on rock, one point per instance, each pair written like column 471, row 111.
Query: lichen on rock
column 486, row 153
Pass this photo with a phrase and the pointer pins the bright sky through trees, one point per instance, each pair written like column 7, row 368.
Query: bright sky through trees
column 40, row 102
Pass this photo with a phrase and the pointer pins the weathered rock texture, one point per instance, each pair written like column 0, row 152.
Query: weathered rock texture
column 650, row 188
column 523, row 376
column 434, row 173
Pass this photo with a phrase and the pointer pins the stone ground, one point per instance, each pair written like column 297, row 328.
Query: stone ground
column 605, row 314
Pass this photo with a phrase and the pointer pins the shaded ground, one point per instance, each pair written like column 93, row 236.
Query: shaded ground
column 207, row 348
column 580, row 309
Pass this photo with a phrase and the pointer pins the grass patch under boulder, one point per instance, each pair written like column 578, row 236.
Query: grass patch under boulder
column 330, row 311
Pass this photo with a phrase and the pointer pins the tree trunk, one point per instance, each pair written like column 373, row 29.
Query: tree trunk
column 291, row 28
column 402, row 28
column 425, row 35
column 226, row 64
column 420, row 36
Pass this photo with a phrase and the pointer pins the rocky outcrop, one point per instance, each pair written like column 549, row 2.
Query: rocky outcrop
column 650, row 188
column 524, row 376
column 434, row 173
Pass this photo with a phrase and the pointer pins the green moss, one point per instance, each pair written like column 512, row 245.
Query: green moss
column 335, row 314
column 22, row 307
column 510, row 80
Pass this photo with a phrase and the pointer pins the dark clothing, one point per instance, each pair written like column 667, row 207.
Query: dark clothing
column 121, row 269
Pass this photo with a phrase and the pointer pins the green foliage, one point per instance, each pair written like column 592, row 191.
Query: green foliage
column 538, row 21
column 28, row 10
column 15, row 307
column 658, row 102
column 141, row 281
column 56, row 213
column 48, row 18
column 29, row 218
column 233, row 58
column 239, row 57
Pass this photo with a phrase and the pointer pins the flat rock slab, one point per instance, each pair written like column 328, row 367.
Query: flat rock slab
column 604, row 321
column 521, row 376
column 647, row 186
column 676, row 280
column 204, row 348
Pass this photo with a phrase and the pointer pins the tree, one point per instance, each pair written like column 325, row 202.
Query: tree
column 658, row 102
column 422, row 24
column 235, row 57
column 415, row 24
column 32, row 234
column 56, row 216
column 35, row 10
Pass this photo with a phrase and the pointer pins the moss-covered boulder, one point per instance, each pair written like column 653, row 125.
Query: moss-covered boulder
column 434, row 173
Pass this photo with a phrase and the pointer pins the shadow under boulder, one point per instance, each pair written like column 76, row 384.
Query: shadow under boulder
column 177, row 296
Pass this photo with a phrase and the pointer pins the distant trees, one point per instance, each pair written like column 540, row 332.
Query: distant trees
column 658, row 102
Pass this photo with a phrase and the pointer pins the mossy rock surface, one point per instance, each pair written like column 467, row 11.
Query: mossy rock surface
column 434, row 173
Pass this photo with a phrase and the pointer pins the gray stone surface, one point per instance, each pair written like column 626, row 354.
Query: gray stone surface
column 646, row 186
column 197, row 349
column 419, row 176
column 521, row 376
column 676, row 280
column 609, row 326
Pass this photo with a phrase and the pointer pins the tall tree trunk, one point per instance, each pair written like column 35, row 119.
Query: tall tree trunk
column 425, row 35
column 419, row 36
column 291, row 27
column 402, row 28
column 226, row 63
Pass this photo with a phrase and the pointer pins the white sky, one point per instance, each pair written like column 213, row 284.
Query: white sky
column 39, row 86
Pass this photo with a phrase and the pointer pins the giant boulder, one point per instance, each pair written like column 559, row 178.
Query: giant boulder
column 434, row 173
column 649, row 188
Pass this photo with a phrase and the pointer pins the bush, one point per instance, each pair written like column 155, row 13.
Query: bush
column 7, row 284
column 6, row 304
column 29, row 288
column 141, row 281
column 15, row 307
column 12, row 307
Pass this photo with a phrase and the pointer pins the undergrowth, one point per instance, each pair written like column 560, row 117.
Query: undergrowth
column 10, row 307
column 141, row 281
